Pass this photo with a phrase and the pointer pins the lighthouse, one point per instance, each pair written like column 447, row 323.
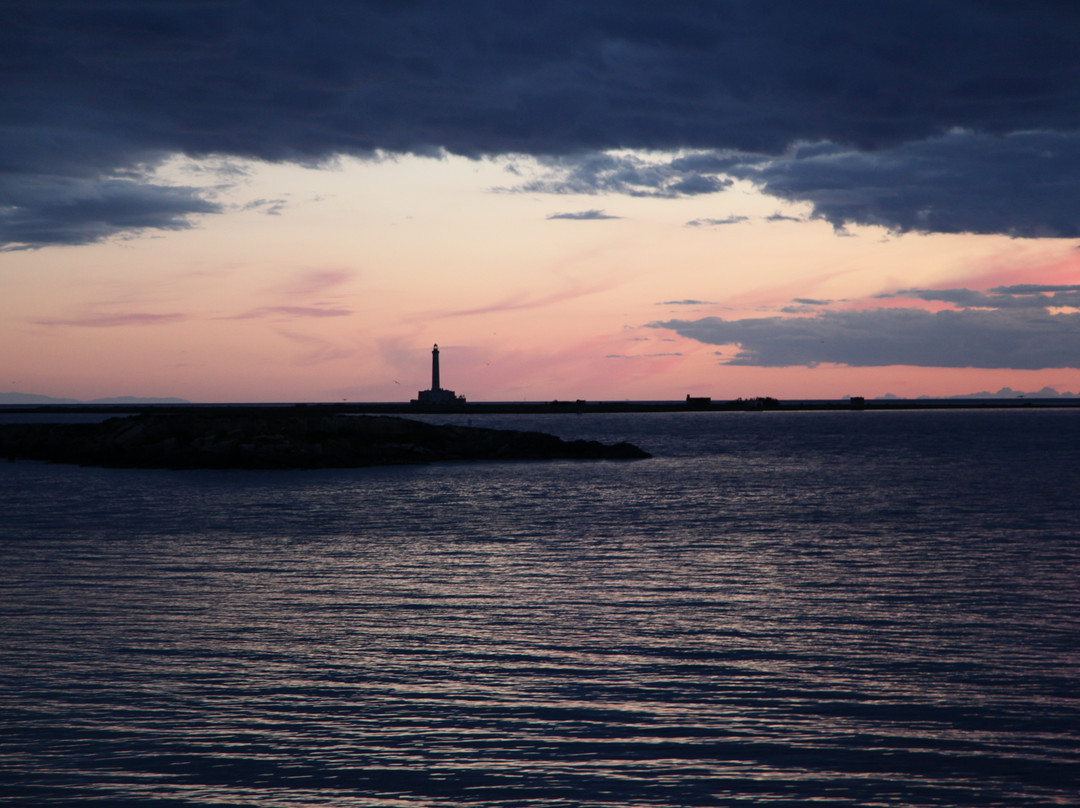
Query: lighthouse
column 436, row 395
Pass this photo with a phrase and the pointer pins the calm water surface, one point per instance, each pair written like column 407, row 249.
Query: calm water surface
column 871, row 609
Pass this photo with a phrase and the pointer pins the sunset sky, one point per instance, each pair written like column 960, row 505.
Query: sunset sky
column 282, row 201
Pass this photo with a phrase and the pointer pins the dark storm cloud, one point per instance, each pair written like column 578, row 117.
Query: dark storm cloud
column 803, row 305
column 98, row 91
column 1022, row 184
column 1035, row 289
column 1026, row 296
column 716, row 222
column 44, row 211
column 601, row 173
column 1020, row 339
column 583, row 216
column 271, row 207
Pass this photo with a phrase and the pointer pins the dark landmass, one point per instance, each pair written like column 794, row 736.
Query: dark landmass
column 284, row 439
column 33, row 398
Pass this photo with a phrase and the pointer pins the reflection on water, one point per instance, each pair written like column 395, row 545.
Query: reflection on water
column 848, row 609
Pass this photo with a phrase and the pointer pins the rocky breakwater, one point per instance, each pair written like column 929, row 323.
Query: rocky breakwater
column 191, row 440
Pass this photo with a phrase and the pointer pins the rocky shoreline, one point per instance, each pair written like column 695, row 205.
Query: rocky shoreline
column 192, row 440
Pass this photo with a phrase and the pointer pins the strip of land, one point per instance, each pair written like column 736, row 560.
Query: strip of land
column 578, row 406
column 282, row 438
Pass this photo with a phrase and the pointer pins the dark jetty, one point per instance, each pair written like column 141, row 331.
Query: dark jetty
column 249, row 440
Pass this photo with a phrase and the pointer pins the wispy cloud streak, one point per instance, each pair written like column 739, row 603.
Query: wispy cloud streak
column 524, row 302
column 288, row 311
column 113, row 320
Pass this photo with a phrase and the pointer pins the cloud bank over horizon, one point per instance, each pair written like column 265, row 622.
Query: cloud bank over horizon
column 914, row 116
column 1007, row 327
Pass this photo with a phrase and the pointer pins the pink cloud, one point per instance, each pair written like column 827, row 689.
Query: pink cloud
column 317, row 351
column 288, row 311
column 1023, row 267
column 520, row 302
column 115, row 320
column 317, row 281
column 307, row 311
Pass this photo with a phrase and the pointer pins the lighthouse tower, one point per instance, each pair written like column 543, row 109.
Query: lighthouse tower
column 436, row 395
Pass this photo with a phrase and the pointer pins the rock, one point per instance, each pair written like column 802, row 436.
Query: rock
column 275, row 440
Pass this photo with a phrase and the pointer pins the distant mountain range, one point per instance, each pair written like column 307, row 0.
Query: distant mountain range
column 32, row 398
column 1008, row 392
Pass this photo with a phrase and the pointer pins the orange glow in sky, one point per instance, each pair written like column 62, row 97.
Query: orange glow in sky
column 329, row 284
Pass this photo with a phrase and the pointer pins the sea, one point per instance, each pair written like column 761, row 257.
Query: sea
column 777, row 609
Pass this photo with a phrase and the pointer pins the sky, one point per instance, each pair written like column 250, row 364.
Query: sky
column 282, row 201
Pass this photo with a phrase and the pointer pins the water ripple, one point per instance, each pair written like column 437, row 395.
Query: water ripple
column 773, row 611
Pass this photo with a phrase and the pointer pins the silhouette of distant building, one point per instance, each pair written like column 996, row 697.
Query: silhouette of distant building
column 436, row 395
